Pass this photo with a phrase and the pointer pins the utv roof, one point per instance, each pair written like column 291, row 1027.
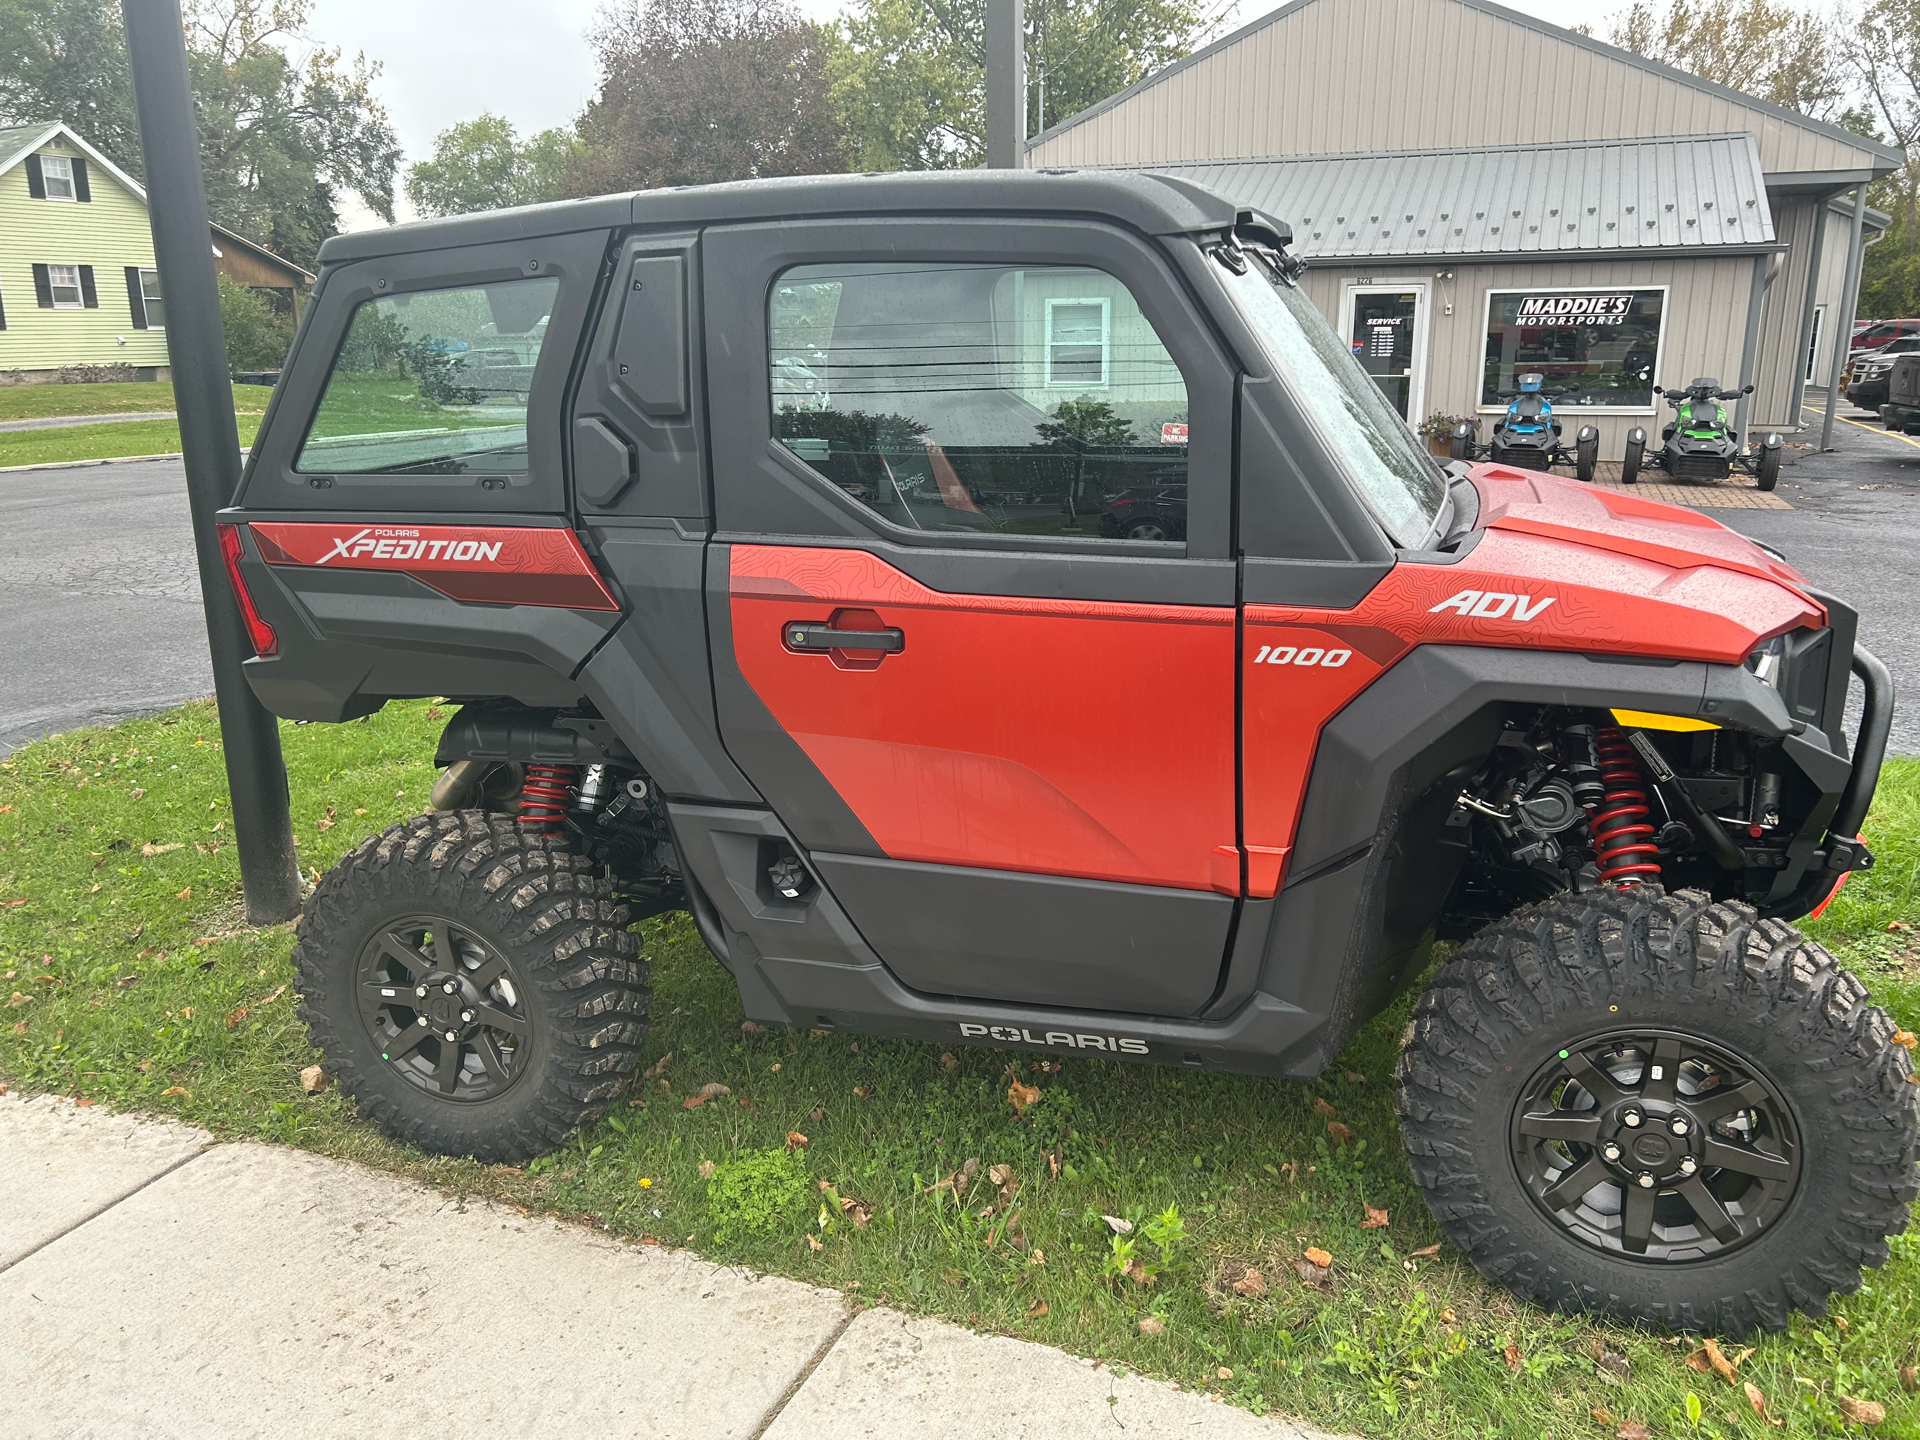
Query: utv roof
column 1152, row 204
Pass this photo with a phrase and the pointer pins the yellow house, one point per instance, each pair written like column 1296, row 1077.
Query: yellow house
column 79, row 291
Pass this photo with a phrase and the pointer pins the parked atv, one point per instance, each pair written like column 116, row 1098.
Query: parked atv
column 834, row 668
column 1528, row 437
column 1700, row 444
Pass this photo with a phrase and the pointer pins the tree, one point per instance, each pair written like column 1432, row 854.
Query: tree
column 257, row 334
column 280, row 137
column 909, row 76
column 480, row 164
column 696, row 91
column 1764, row 47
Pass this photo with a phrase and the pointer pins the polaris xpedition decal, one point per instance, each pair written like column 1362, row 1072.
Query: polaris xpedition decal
column 1493, row 605
column 478, row 564
column 1113, row 1044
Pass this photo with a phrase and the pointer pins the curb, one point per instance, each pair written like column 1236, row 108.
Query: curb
column 102, row 460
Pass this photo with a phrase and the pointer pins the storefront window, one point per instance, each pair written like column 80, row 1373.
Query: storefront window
column 1595, row 347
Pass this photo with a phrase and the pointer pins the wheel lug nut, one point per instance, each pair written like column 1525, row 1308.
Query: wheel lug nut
column 455, row 1035
column 466, row 1017
column 1679, row 1125
column 1631, row 1119
column 1644, row 1180
column 420, row 991
column 1688, row 1164
column 448, row 987
column 425, row 1021
column 1610, row 1151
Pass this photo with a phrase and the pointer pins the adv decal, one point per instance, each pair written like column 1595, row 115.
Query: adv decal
column 478, row 564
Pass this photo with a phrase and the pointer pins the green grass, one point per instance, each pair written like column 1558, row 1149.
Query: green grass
column 43, row 402
column 148, row 993
column 106, row 441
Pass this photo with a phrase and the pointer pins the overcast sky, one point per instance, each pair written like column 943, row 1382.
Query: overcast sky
column 449, row 60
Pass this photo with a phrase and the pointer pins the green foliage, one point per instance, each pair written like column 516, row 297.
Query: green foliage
column 1082, row 423
column 280, row 138
column 257, row 334
column 756, row 1195
column 909, row 76
column 697, row 91
column 480, row 164
column 855, row 429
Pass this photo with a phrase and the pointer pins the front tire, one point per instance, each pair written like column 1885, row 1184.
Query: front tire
column 1767, row 474
column 473, row 985
column 1586, row 458
column 1630, row 462
column 1659, row 1109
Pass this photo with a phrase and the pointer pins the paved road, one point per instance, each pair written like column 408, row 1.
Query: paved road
column 100, row 618
column 99, row 601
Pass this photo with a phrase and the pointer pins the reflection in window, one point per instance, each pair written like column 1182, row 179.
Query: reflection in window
column 433, row 383
column 1024, row 401
column 1593, row 347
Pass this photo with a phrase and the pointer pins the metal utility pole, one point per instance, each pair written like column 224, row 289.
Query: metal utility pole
column 203, row 394
column 1843, row 331
column 1006, row 83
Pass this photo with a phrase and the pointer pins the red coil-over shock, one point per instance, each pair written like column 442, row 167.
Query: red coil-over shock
column 1622, row 838
column 544, row 796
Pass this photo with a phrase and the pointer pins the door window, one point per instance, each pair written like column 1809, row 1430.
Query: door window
column 433, row 383
column 1032, row 400
column 1383, row 330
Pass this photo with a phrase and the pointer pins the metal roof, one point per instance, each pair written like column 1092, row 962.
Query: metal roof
column 1673, row 193
column 1888, row 155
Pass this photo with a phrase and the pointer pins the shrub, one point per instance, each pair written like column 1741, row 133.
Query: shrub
column 257, row 334
column 753, row 1195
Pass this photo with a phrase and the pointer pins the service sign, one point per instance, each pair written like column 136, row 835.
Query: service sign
column 1580, row 309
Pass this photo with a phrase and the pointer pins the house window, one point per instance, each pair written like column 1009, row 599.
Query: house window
column 56, row 173
column 1079, row 333
column 1598, row 348
column 155, row 306
column 64, row 283
column 1813, row 342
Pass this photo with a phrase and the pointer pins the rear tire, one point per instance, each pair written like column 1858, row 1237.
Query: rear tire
column 1768, row 471
column 1815, row 1170
column 473, row 985
column 1630, row 462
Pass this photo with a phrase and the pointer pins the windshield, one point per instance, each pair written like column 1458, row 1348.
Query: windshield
column 1403, row 488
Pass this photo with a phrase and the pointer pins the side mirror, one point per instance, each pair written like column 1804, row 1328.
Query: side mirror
column 1658, row 390
column 1747, row 391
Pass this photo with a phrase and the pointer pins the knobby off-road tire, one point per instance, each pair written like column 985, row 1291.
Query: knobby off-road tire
column 1533, row 993
column 557, row 1019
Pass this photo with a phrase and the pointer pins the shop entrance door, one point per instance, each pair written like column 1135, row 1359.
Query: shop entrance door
column 1386, row 324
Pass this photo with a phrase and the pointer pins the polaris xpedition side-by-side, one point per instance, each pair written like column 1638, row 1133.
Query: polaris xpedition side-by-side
column 761, row 534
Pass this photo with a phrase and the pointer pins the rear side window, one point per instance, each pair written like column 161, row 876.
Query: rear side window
column 1034, row 400
column 433, row 383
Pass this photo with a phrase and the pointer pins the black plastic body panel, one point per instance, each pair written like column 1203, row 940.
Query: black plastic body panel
column 653, row 678
column 761, row 488
column 492, row 731
column 270, row 480
column 1036, row 939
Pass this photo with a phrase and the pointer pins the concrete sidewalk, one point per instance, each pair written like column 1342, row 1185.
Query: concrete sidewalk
column 153, row 1282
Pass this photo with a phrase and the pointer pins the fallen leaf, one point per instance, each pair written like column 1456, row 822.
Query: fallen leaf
column 1022, row 1096
column 236, row 1015
column 326, row 821
column 1427, row 1252
column 313, row 1079
column 1036, row 1310
column 947, row 1061
column 19, row 998
column 1317, row 1276
column 359, row 809
column 1698, row 1361
column 1601, row 1414
column 818, row 1115
column 706, row 1169
column 863, row 1091
column 1117, row 1225
column 1904, row 1037
column 1251, row 1283
column 1759, row 1404
column 176, row 1090
column 1722, row 1366
column 1224, row 1373
column 658, row 1068
column 713, row 1088
column 1447, row 1316
column 1151, row 1326
column 1323, row 1107
column 752, row 1027
column 20, row 1028
column 152, row 850
column 1632, row 1430
column 1038, row 1257
column 1611, row 1367
column 1512, row 1357
column 186, row 894
column 1316, row 1256
column 1909, row 1375
column 273, row 997
column 795, row 1141
column 813, row 1243
column 1053, row 1163
column 1340, row 1133
column 10, row 904
column 1354, row 1077
column 857, row 1210
column 693, row 1102
column 1376, row 1218
column 1291, row 1170
column 1860, row 1412
column 1137, row 1273
column 1000, row 1174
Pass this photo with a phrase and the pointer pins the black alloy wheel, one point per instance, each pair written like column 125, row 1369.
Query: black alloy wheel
column 1656, row 1145
column 444, row 1009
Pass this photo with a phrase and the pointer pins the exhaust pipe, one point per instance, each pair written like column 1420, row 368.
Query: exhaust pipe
column 456, row 782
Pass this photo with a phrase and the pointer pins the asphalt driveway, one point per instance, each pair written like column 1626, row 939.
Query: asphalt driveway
column 100, row 612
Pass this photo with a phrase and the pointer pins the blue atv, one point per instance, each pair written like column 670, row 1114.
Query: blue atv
column 1528, row 437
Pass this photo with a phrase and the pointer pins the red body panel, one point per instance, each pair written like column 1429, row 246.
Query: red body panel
column 1562, row 567
column 1053, row 736
column 483, row 564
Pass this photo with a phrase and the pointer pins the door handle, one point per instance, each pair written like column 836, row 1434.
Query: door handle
column 813, row 637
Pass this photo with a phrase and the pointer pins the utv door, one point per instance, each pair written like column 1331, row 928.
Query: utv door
column 970, row 596
column 405, row 505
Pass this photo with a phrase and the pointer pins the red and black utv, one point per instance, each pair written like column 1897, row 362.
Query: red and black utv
column 762, row 533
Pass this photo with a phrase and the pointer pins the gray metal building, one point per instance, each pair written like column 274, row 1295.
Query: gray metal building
column 1480, row 193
